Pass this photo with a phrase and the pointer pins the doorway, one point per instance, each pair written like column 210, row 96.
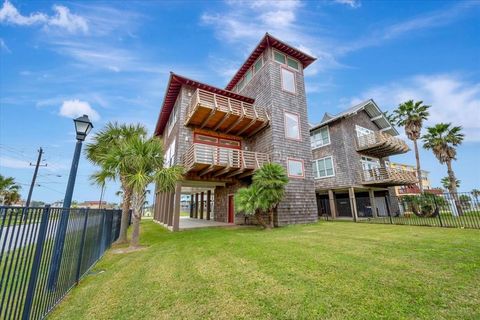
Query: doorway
column 343, row 205
column 231, row 209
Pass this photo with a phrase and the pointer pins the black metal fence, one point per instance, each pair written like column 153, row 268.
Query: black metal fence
column 461, row 210
column 44, row 252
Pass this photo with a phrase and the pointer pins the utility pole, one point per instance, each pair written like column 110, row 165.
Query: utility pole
column 29, row 198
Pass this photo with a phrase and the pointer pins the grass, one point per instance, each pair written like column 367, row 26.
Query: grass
column 329, row 270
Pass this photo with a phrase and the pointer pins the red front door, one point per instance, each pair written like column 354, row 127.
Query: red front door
column 231, row 209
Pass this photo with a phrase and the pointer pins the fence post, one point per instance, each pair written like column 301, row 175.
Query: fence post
column 82, row 244
column 387, row 202
column 37, row 259
column 439, row 213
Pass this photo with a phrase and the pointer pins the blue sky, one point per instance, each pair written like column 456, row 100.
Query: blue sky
column 112, row 59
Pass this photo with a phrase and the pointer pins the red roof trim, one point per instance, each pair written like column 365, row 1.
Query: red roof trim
column 173, row 89
column 269, row 40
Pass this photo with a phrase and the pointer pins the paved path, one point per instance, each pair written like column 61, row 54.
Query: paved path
column 190, row 223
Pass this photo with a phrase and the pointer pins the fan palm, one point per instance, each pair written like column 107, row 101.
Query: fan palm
column 144, row 158
column 446, row 183
column 107, row 152
column 9, row 190
column 411, row 115
column 247, row 201
column 443, row 139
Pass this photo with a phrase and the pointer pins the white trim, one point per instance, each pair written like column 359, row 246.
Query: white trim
column 323, row 145
column 315, row 163
column 377, row 117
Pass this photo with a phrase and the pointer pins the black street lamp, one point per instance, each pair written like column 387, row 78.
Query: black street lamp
column 82, row 128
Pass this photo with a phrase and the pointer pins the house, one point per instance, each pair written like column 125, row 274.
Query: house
column 411, row 189
column 351, row 153
column 222, row 135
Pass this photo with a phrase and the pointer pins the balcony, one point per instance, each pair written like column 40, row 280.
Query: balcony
column 388, row 177
column 380, row 145
column 216, row 112
column 218, row 162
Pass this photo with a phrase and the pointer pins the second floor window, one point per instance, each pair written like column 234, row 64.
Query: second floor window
column 288, row 80
column 320, row 138
column 361, row 131
column 323, row 168
column 169, row 156
column 171, row 122
column 292, row 126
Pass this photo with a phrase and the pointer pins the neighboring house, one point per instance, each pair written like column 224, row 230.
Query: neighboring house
column 350, row 162
column 412, row 189
column 221, row 136
column 95, row 204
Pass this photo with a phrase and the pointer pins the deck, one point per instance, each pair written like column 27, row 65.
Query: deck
column 219, row 113
column 220, row 162
column 380, row 145
column 388, row 177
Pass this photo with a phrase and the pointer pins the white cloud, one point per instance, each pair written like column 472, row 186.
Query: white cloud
column 62, row 19
column 452, row 98
column 13, row 163
column 351, row 3
column 4, row 47
column 76, row 108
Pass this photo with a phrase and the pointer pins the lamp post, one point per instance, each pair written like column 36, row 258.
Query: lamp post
column 82, row 128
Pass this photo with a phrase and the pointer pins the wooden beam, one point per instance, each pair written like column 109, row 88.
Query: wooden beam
column 191, row 206
column 201, row 204
column 248, row 126
column 206, row 170
column 246, row 174
column 235, row 173
column 221, row 172
column 196, row 205
column 209, row 200
column 259, row 128
column 235, row 123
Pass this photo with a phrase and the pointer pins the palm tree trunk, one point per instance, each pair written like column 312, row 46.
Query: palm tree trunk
column 453, row 188
column 419, row 170
column 258, row 216
column 272, row 225
column 126, row 203
column 138, row 201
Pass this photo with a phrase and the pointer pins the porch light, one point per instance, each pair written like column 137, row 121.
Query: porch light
column 82, row 127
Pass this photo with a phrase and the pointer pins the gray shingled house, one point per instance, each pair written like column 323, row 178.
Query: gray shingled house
column 222, row 135
column 350, row 151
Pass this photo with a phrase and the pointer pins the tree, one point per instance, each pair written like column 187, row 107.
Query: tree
column 144, row 159
column 475, row 194
column 411, row 115
column 264, row 194
column 9, row 190
column 446, row 183
column 465, row 200
column 443, row 139
column 106, row 152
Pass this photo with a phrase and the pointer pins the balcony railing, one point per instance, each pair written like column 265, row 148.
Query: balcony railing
column 216, row 112
column 388, row 177
column 203, row 160
column 380, row 145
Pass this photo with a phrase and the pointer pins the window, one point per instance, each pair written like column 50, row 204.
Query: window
column 248, row 76
column 370, row 163
column 361, row 131
column 258, row 64
column 172, row 120
column 288, row 80
column 279, row 57
column 292, row 126
column 323, row 168
column 241, row 84
column 295, row 168
column 292, row 63
column 320, row 138
column 169, row 157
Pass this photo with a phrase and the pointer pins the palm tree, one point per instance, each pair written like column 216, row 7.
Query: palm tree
column 107, row 152
column 411, row 115
column 446, row 183
column 476, row 194
column 264, row 194
column 9, row 190
column 144, row 158
column 443, row 139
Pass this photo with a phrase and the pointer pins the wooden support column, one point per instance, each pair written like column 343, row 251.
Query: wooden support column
column 191, row 206
column 201, row 204
column 176, row 207
column 171, row 201
column 373, row 204
column 331, row 200
column 196, row 205
column 165, row 208
column 353, row 203
column 209, row 200
column 161, row 207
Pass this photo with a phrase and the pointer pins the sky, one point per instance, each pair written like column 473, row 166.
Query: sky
column 111, row 60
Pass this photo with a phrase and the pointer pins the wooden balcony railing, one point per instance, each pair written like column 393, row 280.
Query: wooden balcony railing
column 388, row 177
column 213, row 111
column 203, row 159
column 380, row 145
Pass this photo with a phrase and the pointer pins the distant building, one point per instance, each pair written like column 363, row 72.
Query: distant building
column 415, row 188
column 95, row 204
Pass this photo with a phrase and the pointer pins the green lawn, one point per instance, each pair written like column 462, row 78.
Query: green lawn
column 329, row 270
